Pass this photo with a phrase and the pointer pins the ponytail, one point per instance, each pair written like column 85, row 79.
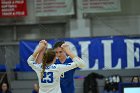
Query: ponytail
column 43, row 64
column 48, row 58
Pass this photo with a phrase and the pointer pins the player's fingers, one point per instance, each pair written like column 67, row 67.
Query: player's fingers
column 43, row 41
column 64, row 45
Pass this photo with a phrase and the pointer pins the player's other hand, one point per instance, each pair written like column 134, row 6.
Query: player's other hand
column 43, row 43
column 65, row 47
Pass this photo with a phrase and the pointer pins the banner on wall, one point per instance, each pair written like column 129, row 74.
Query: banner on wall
column 13, row 8
column 54, row 7
column 100, row 6
column 98, row 53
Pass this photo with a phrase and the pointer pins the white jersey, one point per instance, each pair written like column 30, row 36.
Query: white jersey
column 51, row 79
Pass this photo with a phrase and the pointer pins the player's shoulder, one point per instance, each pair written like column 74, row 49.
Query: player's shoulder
column 68, row 60
column 68, row 57
column 57, row 61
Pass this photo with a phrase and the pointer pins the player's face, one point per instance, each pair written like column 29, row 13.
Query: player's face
column 60, row 54
column 4, row 87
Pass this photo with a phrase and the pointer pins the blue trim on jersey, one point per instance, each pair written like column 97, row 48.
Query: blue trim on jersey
column 67, row 81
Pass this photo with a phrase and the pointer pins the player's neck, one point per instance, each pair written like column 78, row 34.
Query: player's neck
column 62, row 60
column 49, row 64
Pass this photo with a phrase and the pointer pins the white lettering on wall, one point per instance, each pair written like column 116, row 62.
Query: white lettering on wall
column 131, row 53
column 107, row 53
column 96, row 65
column 118, row 66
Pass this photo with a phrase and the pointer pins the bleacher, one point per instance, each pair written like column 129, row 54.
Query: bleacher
column 24, row 82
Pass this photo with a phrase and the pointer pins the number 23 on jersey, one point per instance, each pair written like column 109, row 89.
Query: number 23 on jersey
column 47, row 78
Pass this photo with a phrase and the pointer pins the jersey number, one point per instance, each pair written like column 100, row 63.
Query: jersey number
column 47, row 78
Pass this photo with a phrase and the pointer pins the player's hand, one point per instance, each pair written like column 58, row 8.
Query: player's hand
column 65, row 47
column 43, row 44
column 67, row 50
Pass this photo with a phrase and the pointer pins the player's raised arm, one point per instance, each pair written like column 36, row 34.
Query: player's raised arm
column 41, row 53
column 32, row 59
column 40, row 48
column 80, row 63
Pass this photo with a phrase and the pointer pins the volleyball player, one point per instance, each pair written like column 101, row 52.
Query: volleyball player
column 67, row 78
column 49, row 73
